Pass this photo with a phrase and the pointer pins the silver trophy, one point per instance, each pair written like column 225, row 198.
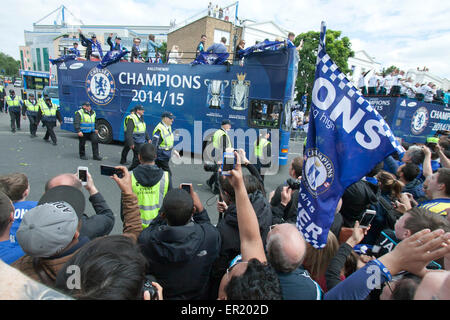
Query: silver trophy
column 216, row 90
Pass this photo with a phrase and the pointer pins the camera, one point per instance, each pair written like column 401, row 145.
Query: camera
column 150, row 288
column 294, row 184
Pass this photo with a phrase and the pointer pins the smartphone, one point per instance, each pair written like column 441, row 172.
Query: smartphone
column 228, row 163
column 83, row 175
column 110, row 171
column 367, row 218
column 187, row 187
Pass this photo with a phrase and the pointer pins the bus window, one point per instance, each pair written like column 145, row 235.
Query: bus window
column 52, row 92
column 265, row 114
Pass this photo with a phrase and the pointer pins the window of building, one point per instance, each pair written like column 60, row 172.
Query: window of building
column 46, row 61
column 38, row 59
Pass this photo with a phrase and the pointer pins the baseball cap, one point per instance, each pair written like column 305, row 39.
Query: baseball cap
column 226, row 121
column 86, row 103
column 93, row 36
column 167, row 114
column 49, row 227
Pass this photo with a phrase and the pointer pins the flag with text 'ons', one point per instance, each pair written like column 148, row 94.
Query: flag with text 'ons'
column 346, row 139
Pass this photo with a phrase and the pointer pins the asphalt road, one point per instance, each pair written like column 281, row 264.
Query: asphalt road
column 40, row 161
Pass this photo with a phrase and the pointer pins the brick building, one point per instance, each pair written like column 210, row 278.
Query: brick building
column 187, row 37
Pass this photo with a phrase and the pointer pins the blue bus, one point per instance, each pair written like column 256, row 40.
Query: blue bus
column 410, row 119
column 256, row 95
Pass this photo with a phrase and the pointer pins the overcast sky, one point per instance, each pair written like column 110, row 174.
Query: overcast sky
column 408, row 34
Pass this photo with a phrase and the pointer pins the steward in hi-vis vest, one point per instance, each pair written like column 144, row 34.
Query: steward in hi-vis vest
column 263, row 153
column 126, row 147
column 84, row 125
column 163, row 141
column 150, row 184
column 136, row 134
column 49, row 113
column 13, row 104
column 221, row 141
column 31, row 109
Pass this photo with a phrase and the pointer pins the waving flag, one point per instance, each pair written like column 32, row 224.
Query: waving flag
column 264, row 45
column 111, row 57
column 346, row 139
column 211, row 58
column 63, row 58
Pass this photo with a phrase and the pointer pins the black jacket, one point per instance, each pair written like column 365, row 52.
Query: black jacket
column 99, row 224
column 229, row 232
column 58, row 114
column 181, row 257
column 129, row 133
column 356, row 199
column 148, row 175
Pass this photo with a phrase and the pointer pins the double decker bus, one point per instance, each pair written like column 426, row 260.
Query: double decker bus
column 255, row 95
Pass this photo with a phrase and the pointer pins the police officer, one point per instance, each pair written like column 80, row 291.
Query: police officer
column 31, row 109
column 126, row 147
column 2, row 96
column 163, row 140
column 49, row 113
column 84, row 125
column 263, row 152
column 136, row 134
column 13, row 104
column 221, row 141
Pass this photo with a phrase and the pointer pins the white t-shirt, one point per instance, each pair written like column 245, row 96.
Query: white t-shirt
column 428, row 93
column 361, row 82
column 388, row 81
column 373, row 81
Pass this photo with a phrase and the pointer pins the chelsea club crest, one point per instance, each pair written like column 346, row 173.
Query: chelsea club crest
column 100, row 86
column 318, row 172
column 419, row 120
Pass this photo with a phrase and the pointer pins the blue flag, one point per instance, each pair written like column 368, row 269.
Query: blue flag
column 63, row 58
column 111, row 57
column 264, row 45
column 211, row 58
column 346, row 139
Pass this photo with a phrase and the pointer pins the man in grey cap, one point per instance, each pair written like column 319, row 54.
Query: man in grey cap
column 49, row 233
column 163, row 140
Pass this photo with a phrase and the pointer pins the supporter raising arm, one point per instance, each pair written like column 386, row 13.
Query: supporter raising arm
column 251, row 242
column 412, row 254
column 445, row 162
column 249, row 277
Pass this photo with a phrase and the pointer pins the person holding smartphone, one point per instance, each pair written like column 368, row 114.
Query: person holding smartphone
column 85, row 126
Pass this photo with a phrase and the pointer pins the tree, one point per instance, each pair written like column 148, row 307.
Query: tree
column 339, row 49
column 8, row 65
column 388, row 70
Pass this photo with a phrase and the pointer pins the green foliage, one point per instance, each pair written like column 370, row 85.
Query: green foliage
column 339, row 49
column 163, row 51
column 388, row 70
column 9, row 64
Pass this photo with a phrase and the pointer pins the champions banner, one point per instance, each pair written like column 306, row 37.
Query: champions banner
column 346, row 139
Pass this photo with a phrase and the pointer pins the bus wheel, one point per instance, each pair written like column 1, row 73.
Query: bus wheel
column 104, row 131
